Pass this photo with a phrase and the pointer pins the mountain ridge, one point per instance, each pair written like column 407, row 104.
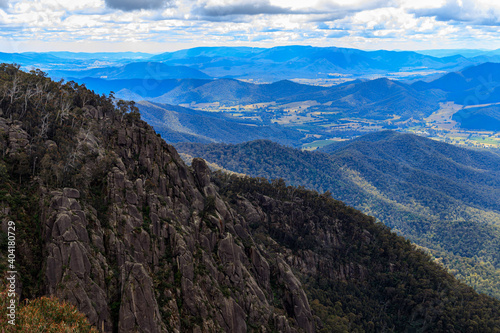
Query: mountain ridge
column 296, row 61
column 473, row 85
column 135, row 70
column 419, row 187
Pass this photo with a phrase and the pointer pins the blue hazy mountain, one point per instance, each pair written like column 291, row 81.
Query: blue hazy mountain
column 139, row 89
column 380, row 98
column 473, row 85
column 373, row 99
column 377, row 99
column 186, row 76
column 477, row 88
column 39, row 60
column 98, row 55
column 208, row 52
column 179, row 91
column 489, row 56
column 468, row 78
column 266, row 64
column 135, row 70
column 468, row 53
column 233, row 92
column 302, row 61
column 71, row 61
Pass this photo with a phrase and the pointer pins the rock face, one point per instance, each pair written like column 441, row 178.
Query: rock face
column 150, row 246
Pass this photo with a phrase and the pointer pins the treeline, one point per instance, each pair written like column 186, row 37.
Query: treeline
column 50, row 112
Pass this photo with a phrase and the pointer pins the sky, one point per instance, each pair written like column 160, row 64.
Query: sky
column 157, row 26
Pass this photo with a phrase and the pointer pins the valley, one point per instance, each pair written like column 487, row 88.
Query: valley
column 307, row 117
column 345, row 94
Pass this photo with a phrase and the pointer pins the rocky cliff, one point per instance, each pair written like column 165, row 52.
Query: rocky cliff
column 152, row 246
column 112, row 220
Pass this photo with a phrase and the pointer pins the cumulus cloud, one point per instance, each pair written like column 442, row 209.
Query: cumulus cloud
column 350, row 23
column 469, row 11
column 232, row 9
column 130, row 5
column 328, row 11
column 314, row 10
column 244, row 9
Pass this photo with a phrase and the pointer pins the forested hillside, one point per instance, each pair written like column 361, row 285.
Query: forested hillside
column 442, row 197
column 179, row 124
column 479, row 118
column 110, row 219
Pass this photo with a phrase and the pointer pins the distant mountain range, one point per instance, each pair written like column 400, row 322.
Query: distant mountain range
column 472, row 86
column 286, row 62
column 477, row 88
column 264, row 64
column 135, row 70
column 440, row 196
column 472, row 54
column 468, row 53
column 72, row 61
column 98, row 55
column 380, row 98
column 208, row 75
column 179, row 91
column 234, row 92
column 28, row 58
column 377, row 99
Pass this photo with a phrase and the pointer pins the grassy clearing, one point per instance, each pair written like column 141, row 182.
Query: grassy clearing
column 486, row 140
column 317, row 144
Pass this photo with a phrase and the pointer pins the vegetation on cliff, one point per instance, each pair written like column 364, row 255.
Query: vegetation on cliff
column 41, row 315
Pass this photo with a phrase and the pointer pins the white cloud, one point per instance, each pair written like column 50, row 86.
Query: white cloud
column 165, row 23
column 470, row 11
column 236, row 8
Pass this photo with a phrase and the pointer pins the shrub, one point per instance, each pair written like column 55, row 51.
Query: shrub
column 44, row 314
